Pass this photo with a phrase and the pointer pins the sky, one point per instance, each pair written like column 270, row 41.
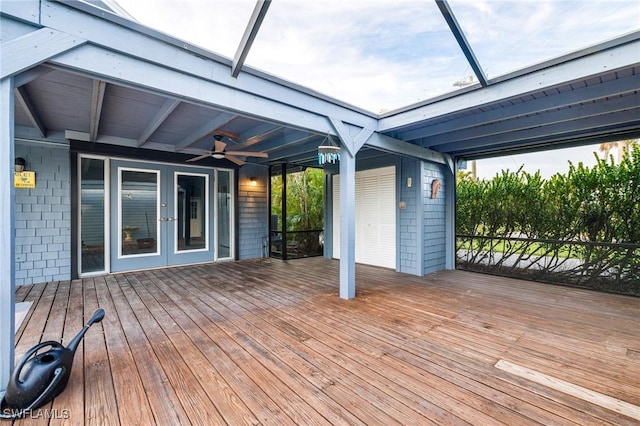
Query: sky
column 547, row 163
column 382, row 55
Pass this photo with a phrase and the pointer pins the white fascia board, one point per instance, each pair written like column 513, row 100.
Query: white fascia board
column 23, row 10
column 137, row 41
column 32, row 49
column 618, row 57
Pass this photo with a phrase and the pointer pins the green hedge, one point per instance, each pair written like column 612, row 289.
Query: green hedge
column 588, row 214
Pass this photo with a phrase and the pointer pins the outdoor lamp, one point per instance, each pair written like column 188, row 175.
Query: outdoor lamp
column 19, row 164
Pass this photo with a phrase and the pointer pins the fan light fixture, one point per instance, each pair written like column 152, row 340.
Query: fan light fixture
column 329, row 152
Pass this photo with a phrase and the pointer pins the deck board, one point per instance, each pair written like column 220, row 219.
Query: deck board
column 270, row 342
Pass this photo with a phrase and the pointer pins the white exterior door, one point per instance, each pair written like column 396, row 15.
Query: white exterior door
column 375, row 217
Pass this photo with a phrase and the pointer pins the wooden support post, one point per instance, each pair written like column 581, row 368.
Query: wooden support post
column 285, row 256
column 450, row 212
column 347, row 224
column 7, row 259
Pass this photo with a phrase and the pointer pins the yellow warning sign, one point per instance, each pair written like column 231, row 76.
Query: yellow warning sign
column 24, row 179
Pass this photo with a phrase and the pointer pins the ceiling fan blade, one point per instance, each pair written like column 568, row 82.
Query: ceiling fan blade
column 219, row 146
column 236, row 160
column 199, row 157
column 249, row 154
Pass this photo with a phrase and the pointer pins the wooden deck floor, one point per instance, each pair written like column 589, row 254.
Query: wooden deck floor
column 271, row 343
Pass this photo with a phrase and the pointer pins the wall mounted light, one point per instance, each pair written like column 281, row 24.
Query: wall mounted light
column 19, row 164
column 253, row 181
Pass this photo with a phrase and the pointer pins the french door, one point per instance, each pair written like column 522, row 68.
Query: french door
column 161, row 215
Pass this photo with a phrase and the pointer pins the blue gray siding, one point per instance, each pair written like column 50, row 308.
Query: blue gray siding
column 421, row 224
column 43, row 216
column 434, row 219
column 253, row 214
column 409, row 218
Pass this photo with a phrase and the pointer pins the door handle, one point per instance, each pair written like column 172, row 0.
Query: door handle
column 167, row 219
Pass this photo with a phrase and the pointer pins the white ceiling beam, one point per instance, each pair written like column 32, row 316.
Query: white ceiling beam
column 86, row 137
column 204, row 130
column 161, row 115
column 617, row 57
column 33, row 49
column 294, row 142
column 587, row 126
column 31, row 74
column 455, row 28
column 538, row 121
column 395, row 146
column 293, row 156
column 25, row 101
column 258, row 134
column 250, row 33
column 533, row 106
column 133, row 72
column 97, row 99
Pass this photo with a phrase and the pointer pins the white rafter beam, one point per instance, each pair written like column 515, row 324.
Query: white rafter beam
column 258, row 134
column 250, row 33
column 25, row 101
column 97, row 99
column 395, row 146
column 31, row 74
column 455, row 28
column 204, row 130
column 161, row 115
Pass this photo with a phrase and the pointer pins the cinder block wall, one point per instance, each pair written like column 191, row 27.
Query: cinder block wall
column 253, row 214
column 43, row 216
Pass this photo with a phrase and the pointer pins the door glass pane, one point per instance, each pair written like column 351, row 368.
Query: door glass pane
column 139, row 212
column 191, row 203
column 92, row 215
column 224, row 214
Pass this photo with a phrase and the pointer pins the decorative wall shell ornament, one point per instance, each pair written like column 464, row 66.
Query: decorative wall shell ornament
column 435, row 187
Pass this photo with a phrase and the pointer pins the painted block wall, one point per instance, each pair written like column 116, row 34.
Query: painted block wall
column 433, row 219
column 253, row 214
column 43, row 216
